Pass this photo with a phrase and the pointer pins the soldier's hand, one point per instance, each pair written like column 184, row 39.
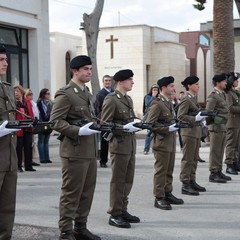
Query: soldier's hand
column 130, row 128
column 172, row 128
column 86, row 131
column 5, row 131
column 198, row 117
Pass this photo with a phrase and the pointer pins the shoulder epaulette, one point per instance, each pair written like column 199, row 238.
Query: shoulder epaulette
column 112, row 94
column 65, row 87
column 212, row 92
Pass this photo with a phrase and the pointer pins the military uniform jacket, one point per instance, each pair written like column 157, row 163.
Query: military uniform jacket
column 71, row 103
column 233, row 102
column 8, row 156
column 216, row 100
column 161, row 109
column 119, row 110
column 186, row 107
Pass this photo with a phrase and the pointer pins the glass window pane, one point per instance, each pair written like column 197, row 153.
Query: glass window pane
column 204, row 40
column 24, row 38
column 24, row 70
column 14, row 65
column 8, row 36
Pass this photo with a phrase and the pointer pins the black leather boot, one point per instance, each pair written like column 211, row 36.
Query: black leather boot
column 231, row 169
column 67, row 235
column 197, row 187
column 171, row 199
column 130, row 218
column 162, row 204
column 189, row 190
column 216, row 178
column 82, row 233
column 236, row 166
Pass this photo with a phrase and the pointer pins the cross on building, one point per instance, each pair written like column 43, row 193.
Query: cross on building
column 111, row 40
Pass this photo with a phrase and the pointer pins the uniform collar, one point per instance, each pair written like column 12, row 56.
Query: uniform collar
column 165, row 97
column 82, row 87
column 191, row 94
column 218, row 90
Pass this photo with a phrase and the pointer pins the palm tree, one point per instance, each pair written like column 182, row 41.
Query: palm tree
column 223, row 34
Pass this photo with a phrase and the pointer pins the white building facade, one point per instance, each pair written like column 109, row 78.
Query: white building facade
column 24, row 30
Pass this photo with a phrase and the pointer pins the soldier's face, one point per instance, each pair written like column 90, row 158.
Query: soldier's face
column 194, row 87
column 127, row 84
column 221, row 85
column 170, row 89
column 84, row 74
column 3, row 64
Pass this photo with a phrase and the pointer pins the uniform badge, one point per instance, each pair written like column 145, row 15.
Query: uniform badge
column 75, row 90
column 163, row 99
column 189, row 96
column 118, row 96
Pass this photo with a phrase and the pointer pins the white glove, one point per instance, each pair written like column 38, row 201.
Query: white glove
column 130, row 128
column 5, row 131
column 198, row 117
column 85, row 130
column 172, row 128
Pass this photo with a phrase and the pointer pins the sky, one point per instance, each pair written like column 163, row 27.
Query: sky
column 176, row 15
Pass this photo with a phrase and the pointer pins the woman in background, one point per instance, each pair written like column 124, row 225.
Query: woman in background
column 29, row 95
column 24, row 136
column 44, row 105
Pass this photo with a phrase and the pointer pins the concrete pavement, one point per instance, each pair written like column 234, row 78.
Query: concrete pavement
column 214, row 214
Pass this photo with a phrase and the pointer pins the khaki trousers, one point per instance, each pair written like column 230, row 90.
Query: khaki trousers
column 232, row 145
column 79, row 180
column 190, row 159
column 217, row 147
column 123, row 167
column 8, row 182
column 163, row 176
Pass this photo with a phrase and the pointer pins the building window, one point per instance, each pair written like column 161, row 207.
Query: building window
column 16, row 43
column 203, row 40
column 68, row 72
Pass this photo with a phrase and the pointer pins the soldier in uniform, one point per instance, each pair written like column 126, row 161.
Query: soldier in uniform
column 79, row 165
column 164, row 145
column 190, row 136
column 233, row 126
column 216, row 100
column 118, row 109
column 8, row 156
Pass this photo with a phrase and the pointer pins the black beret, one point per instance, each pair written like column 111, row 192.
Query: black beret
column 2, row 49
column 80, row 61
column 190, row 80
column 123, row 75
column 219, row 77
column 165, row 81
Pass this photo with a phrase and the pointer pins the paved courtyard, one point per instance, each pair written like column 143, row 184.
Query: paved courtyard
column 214, row 214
